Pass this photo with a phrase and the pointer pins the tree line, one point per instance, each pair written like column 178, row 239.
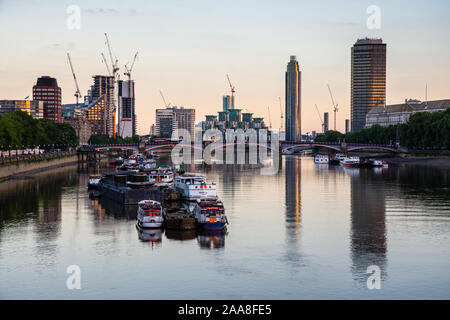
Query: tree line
column 18, row 130
column 424, row 129
column 105, row 139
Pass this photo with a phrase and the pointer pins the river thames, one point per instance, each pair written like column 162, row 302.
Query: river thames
column 308, row 232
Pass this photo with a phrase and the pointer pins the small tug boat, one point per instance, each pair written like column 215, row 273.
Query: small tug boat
column 150, row 214
column 93, row 182
column 351, row 162
column 376, row 163
column 194, row 187
column 210, row 214
column 321, row 159
column 337, row 158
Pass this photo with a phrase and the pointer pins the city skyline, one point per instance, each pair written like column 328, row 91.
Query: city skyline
column 187, row 50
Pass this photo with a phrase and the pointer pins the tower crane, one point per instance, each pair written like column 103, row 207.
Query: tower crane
column 77, row 93
column 335, row 106
column 165, row 103
column 128, row 70
column 115, row 74
column 232, row 91
column 114, row 63
column 281, row 115
column 270, row 121
column 106, row 63
column 320, row 117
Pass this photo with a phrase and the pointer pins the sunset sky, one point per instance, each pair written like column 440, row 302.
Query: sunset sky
column 186, row 48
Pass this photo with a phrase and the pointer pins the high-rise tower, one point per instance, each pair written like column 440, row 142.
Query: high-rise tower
column 368, row 82
column 100, row 98
column 293, row 101
column 47, row 90
column 126, row 107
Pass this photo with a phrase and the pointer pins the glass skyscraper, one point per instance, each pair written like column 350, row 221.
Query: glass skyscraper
column 368, row 83
column 293, row 101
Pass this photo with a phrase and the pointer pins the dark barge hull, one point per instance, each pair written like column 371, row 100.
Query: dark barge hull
column 129, row 196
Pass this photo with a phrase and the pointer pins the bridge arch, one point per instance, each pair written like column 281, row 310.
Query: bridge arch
column 372, row 147
column 115, row 147
column 313, row 145
column 243, row 143
column 159, row 146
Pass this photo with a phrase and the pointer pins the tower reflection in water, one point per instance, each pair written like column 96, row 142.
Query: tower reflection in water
column 368, row 223
column 293, row 194
column 293, row 207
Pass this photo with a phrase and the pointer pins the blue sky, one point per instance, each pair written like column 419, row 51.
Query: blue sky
column 187, row 47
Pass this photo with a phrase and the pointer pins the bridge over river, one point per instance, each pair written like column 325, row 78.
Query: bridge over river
column 286, row 147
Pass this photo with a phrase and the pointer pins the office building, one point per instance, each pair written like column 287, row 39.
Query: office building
column 46, row 89
column 152, row 130
column 347, row 126
column 326, row 122
column 400, row 113
column 96, row 115
column 32, row 107
column 165, row 122
column 228, row 103
column 126, row 109
column 170, row 119
column 368, row 79
column 293, row 100
column 185, row 119
column 100, row 101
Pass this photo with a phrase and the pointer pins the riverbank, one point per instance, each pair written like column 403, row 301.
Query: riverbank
column 441, row 162
column 26, row 168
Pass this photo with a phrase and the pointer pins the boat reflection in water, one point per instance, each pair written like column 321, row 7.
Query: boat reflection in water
column 153, row 236
column 181, row 234
column 211, row 239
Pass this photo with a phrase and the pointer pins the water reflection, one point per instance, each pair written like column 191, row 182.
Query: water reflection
column 211, row 239
column 368, row 223
column 325, row 218
column 293, row 209
column 293, row 193
column 153, row 236
column 182, row 235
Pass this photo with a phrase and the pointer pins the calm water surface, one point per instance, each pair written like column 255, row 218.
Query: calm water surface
column 307, row 232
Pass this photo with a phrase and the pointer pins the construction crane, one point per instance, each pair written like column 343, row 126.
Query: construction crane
column 335, row 106
column 114, row 63
column 165, row 103
column 116, row 76
column 232, row 91
column 106, row 63
column 77, row 93
column 270, row 121
column 281, row 115
column 320, row 117
column 128, row 73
